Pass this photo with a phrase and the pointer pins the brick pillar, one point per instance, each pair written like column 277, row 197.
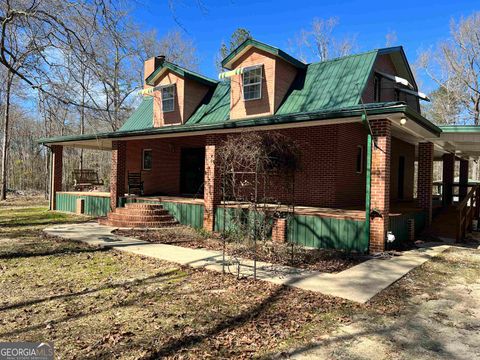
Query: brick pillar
column 279, row 230
column 117, row 175
column 425, row 178
column 380, row 183
column 56, row 174
column 448, row 169
column 463, row 190
column 212, row 188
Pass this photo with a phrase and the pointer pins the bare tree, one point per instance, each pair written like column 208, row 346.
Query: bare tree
column 454, row 65
column 391, row 38
column 319, row 42
column 237, row 37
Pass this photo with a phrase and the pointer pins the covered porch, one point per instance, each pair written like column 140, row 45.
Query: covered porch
column 179, row 172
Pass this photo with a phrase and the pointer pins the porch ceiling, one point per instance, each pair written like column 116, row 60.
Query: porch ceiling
column 463, row 141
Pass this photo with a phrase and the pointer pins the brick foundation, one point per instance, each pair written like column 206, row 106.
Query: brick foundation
column 425, row 178
column 56, row 173
column 117, row 176
column 380, row 184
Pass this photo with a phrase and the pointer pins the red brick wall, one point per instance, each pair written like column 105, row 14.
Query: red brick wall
column 164, row 178
column 350, row 185
column 401, row 148
column 174, row 117
column 326, row 176
column 277, row 78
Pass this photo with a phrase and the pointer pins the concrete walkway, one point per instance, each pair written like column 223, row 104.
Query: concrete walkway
column 359, row 283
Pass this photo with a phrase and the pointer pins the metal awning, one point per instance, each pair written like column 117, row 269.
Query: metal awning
column 239, row 71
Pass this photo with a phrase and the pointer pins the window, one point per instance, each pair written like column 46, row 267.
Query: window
column 147, row 159
column 168, row 98
column 252, row 83
column 359, row 163
column 377, row 88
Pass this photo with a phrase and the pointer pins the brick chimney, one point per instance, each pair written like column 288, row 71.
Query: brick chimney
column 150, row 65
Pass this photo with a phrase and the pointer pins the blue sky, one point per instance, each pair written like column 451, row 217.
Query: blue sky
column 418, row 24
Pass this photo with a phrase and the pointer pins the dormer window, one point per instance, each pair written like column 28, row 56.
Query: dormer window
column 168, row 98
column 252, row 83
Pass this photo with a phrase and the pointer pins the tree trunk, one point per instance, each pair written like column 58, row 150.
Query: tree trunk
column 6, row 119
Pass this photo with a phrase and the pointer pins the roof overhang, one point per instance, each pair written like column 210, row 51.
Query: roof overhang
column 418, row 126
column 187, row 74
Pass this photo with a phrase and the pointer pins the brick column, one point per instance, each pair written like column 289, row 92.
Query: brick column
column 448, row 169
column 56, row 174
column 463, row 190
column 425, row 178
column 212, row 188
column 117, row 175
column 279, row 230
column 380, row 183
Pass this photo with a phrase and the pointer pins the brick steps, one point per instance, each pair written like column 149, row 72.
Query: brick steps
column 139, row 215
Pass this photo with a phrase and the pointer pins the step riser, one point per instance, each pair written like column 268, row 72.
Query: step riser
column 128, row 217
column 144, row 206
column 116, row 223
column 140, row 212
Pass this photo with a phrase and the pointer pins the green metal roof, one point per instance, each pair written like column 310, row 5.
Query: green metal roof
column 216, row 109
column 324, row 89
column 262, row 46
column 330, row 84
column 182, row 72
column 142, row 117
column 353, row 111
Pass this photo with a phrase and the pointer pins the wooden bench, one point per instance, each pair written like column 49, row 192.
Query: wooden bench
column 85, row 179
column 135, row 183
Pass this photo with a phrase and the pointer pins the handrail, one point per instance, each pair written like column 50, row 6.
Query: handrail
column 467, row 209
column 470, row 194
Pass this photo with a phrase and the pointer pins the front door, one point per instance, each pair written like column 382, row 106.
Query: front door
column 192, row 171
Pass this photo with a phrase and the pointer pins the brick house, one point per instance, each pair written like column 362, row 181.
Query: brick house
column 336, row 109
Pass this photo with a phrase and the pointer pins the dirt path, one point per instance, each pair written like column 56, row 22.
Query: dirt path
column 443, row 322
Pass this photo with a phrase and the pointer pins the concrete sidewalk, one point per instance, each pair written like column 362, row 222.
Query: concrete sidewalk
column 359, row 283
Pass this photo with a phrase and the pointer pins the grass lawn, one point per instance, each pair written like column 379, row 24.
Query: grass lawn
column 96, row 303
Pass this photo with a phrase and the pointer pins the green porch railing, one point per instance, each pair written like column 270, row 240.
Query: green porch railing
column 327, row 233
column 94, row 205
column 184, row 213
column 311, row 231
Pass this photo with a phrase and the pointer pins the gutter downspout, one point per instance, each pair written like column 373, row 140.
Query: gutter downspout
column 368, row 178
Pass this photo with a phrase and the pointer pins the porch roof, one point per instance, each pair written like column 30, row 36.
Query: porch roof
column 462, row 140
column 331, row 116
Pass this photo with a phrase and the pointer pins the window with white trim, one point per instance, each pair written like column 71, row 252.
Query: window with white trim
column 359, row 162
column 168, row 98
column 147, row 159
column 252, row 83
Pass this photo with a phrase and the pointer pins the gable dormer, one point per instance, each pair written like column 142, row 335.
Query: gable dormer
column 260, row 77
column 392, row 80
column 177, row 92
